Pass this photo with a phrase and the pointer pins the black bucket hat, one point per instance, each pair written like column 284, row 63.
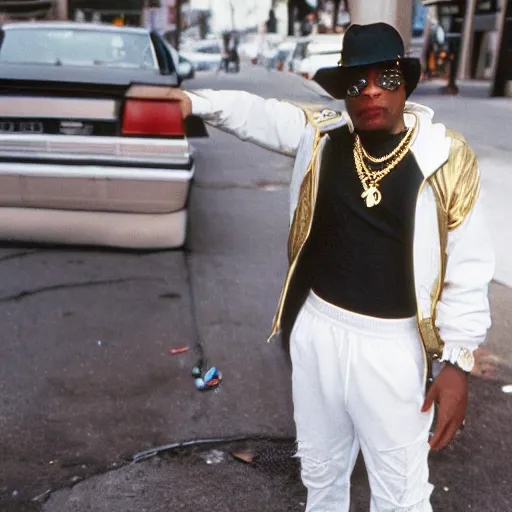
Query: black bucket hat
column 364, row 45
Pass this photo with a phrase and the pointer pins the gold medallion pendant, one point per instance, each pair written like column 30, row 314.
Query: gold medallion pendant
column 371, row 169
column 372, row 196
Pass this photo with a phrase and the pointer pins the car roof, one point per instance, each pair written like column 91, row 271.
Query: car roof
column 288, row 44
column 66, row 25
column 315, row 47
column 322, row 38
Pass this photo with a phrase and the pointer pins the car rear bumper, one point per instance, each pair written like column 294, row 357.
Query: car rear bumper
column 108, row 151
column 94, row 188
column 111, row 174
column 107, row 191
column 105, row 229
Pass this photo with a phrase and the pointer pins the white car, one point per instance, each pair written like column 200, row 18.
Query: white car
column 268, row 50
column 205, row 55
column 315, row 52
column 92, row 150
column 284, row 53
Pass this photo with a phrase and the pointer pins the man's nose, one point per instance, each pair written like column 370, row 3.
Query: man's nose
column 372, row 90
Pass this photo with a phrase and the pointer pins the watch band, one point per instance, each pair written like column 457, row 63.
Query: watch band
column 462, row 358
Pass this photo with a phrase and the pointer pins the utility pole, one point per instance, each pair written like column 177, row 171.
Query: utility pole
column 467, row 40
column 291, row 17
column 503, row 67
column 232, row 9
column 62, row 10
column 397, row 13
column 177, row 34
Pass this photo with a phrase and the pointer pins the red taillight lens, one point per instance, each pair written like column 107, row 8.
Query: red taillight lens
column 144, row 117
column 305, row 75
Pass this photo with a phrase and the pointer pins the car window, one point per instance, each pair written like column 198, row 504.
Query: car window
column 78, row 47
column 212, row 49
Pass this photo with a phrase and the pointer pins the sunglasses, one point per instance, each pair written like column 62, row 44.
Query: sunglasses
column 388, row 79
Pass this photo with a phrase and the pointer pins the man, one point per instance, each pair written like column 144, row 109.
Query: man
column 389, row 269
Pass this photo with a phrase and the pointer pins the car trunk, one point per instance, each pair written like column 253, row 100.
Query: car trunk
column 76, row 100
column 65, row 143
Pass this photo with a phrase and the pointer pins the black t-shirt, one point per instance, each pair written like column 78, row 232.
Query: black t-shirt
column 360, row 258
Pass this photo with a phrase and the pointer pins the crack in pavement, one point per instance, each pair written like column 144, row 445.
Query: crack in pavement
column 18, row 255
column 63, row 286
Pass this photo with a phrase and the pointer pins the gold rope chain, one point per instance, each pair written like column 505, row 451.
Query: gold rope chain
column 380, row 173
column 389, row 156
column 370, row 178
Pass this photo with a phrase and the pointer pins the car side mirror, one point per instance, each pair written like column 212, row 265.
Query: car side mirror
column 184, row 69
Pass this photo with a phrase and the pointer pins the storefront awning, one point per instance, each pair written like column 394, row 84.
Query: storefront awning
column 26, row 8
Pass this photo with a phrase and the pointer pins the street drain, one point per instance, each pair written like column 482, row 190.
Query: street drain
column 270, row 186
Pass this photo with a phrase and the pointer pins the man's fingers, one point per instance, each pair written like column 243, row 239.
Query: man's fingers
column 183, row 98
column 438, row 435
column 429, row 399
column 447, row 436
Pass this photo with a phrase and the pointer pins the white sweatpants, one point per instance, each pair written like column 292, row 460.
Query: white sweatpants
column 358, row 384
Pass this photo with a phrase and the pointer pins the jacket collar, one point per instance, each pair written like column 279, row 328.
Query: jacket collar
column 431, row 146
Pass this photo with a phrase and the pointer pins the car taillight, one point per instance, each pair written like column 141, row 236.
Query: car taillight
column 305, row 75
column 156, row 118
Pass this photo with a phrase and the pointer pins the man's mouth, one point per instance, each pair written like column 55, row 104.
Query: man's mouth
column 371, row 112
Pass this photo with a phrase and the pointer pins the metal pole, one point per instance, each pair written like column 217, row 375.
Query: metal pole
column 232, row 8
column 178, row 25
column 62, row 10
column 467, row 40
column 397, row 13
column 501, row 65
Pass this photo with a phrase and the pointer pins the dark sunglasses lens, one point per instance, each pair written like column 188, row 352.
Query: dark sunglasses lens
column 390, row 79
column 356, row 89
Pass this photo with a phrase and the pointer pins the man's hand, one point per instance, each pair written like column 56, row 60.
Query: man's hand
column 185, row 102
column 450, row 391
column 153, row 92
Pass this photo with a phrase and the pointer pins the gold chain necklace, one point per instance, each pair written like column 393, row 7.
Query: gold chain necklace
column 369, row 177
column 389, row 156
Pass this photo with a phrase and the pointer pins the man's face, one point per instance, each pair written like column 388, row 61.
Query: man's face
column 376, row 108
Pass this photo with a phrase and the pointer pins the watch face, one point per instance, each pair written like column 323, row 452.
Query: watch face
column 466, row 360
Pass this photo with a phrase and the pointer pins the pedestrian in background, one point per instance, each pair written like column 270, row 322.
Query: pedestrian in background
column 386, row 296
column 224, row 62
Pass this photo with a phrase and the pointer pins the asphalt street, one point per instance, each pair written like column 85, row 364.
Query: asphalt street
column 87, row 381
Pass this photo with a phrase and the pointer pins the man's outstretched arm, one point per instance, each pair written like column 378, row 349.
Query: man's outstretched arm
column 272, row 124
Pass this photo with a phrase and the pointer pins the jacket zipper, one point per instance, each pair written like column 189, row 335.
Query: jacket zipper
column 291, row 271
column 418, row 311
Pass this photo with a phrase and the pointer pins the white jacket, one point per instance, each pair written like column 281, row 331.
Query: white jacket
column 461, row 314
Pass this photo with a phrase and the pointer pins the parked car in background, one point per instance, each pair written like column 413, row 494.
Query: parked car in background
column 315, row 52
column 92, row 151
column 249, row 46
column 268, row 50
column 205, row 55
column 284, row 52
